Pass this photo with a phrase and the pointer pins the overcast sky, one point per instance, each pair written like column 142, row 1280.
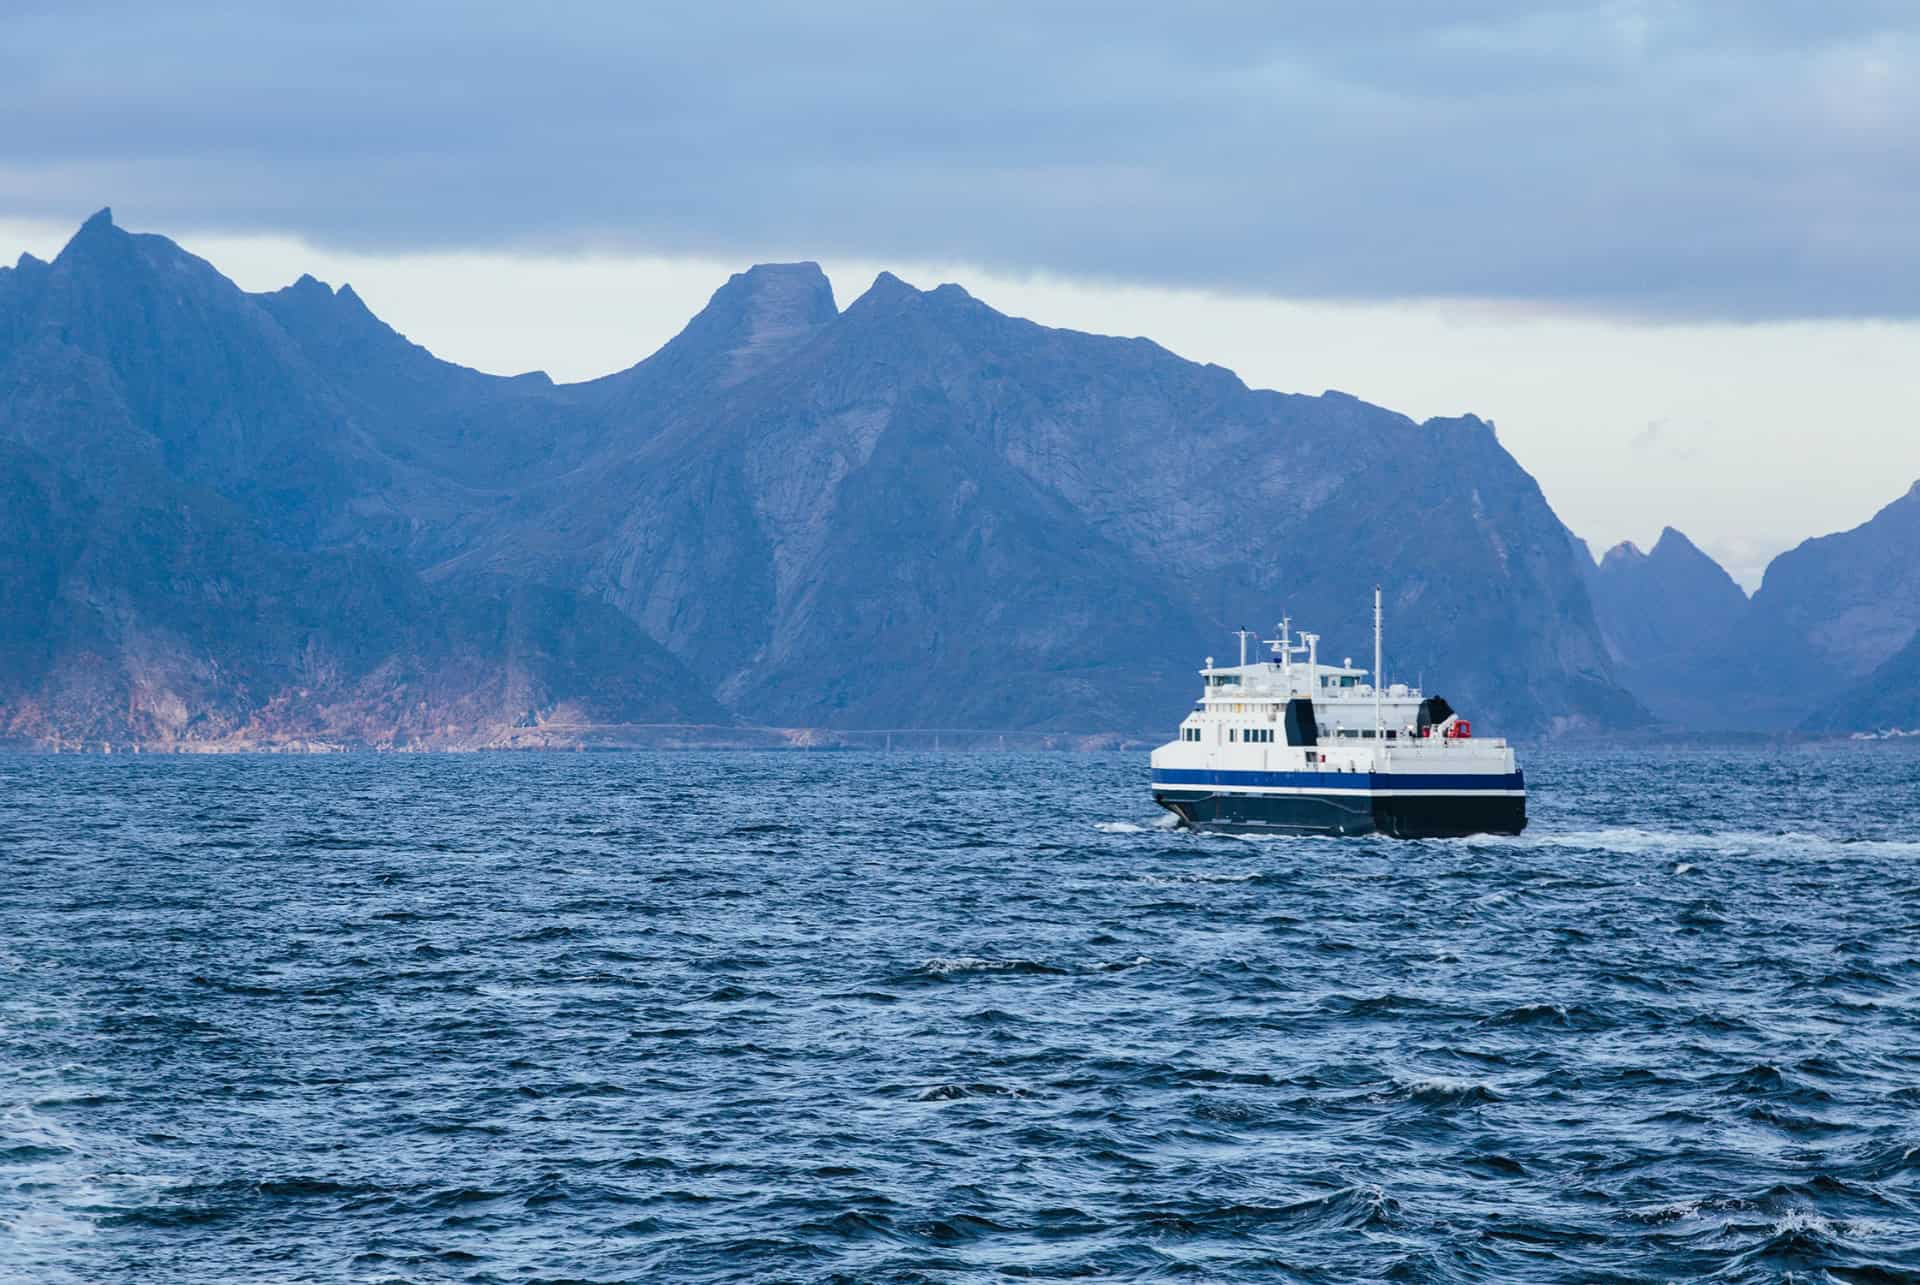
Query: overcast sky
column 1672, row 249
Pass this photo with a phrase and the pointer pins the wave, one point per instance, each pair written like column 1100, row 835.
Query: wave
column 1634, row 840
column 1445, row 1091
column 966, row 965
column 1246, row 876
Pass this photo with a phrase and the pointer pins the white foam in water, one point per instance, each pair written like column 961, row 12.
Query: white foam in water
column 1241, row 877
column 943, row 967
column 1630, row 839
column 1685, row 867
column 1119, row 827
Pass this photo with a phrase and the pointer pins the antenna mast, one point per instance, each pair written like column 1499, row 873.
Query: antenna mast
column 1379, row 722
column 1244, row 633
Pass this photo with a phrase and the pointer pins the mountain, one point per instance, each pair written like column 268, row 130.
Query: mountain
column 185, row 505
column 1887, row 699
column 1827, row 615
column 921, row 512
column 1851, row 605
column 1823, row 645
column 1657, row 611
column 240, row 518
column 1851, row 599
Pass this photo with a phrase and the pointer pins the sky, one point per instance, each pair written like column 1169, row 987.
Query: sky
column 1672, row 250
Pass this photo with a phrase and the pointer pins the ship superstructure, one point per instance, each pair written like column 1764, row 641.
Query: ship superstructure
column 1290, row 744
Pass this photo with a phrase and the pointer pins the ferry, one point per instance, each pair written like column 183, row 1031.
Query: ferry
column 1310, row 749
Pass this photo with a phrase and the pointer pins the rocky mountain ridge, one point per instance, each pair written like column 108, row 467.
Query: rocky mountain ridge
column 244, row 517
column 1824, row 645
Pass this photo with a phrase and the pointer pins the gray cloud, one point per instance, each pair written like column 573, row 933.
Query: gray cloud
column 1670, row 159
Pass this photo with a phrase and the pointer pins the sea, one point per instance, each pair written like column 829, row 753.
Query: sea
column 949, row 1018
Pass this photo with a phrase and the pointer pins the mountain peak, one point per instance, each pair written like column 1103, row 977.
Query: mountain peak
column 1673, row 542
column 97, row 234
column 777, row 294
column 886, row 288
column 1625, row 553
column 757, row 317
column 348, row 296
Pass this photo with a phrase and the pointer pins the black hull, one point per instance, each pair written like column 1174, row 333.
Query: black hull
column 1401, row 816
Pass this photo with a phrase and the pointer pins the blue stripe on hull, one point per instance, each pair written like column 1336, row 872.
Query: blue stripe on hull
column 1456, row 782
column 1415, row 816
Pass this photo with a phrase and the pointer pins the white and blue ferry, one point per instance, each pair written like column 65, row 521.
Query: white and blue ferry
column 1289, row 748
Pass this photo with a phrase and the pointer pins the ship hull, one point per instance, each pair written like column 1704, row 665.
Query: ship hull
column 1427, row 814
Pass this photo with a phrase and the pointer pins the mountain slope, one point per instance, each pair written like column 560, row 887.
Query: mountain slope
column 974, row 516
column 1654, row 607
column 1660, row 610
column 186, row 507
column 246, row 515
column 1887, row 699
column 162, row 616
column 1827, row 614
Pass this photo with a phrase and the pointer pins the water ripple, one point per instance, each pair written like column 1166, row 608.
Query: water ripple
column 949, row 1018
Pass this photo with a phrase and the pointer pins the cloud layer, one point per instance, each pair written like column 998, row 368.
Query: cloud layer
column 1688, row 159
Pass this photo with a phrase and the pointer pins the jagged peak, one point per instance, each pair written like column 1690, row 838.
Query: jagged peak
column 886, row 289
column 28, row 262
column 756, row 317
column 1674, row 541
column 1625, row 553
column 801, row 288
column 98, row 232
column 783, row 295
column 798, row 270
column 313, row 293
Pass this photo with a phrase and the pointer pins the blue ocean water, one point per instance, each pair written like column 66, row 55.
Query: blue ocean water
column 949, row 1018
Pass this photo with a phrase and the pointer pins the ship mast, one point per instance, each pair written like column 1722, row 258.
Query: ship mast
column 1379, row 720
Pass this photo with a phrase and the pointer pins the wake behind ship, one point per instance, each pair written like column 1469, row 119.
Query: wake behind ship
column 1324, row 749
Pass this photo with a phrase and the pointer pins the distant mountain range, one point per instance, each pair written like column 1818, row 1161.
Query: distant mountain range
column 232, row 519
column 1827, row 644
